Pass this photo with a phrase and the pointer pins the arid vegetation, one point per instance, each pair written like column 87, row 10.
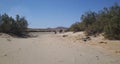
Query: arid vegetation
column 106, row 21
column 13, row 26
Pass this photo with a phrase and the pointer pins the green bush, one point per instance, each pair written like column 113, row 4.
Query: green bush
column 16, row 26
column 106, row 21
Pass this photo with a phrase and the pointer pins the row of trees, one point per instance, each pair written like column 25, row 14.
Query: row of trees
column 13, row 26
column 106, row 21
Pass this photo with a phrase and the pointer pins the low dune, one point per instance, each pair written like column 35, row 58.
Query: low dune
column 111, row 45
column 50, row 48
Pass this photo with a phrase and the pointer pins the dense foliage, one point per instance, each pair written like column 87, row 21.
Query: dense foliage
column 13, row 26
column 106, row 21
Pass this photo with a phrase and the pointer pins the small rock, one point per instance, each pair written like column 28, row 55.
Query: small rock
column 97, row 57
column 65, row 35
column 8, row 39
column 118, row 51
column 5, row 55
column 86, row 39
column 103, row 42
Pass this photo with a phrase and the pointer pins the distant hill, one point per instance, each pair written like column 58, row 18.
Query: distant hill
column 46, row 29
column 61, row 28
column 58, row 28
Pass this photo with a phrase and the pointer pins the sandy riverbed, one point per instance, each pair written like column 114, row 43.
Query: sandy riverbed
column 49, row 48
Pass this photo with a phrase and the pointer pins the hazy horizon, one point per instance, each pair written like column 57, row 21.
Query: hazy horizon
column 52, row 13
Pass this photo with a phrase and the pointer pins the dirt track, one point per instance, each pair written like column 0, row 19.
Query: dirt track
column 51, row 49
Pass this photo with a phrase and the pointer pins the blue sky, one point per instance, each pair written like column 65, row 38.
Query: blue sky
column 52, row 13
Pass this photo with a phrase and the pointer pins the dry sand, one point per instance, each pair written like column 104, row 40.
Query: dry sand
column 49, row 48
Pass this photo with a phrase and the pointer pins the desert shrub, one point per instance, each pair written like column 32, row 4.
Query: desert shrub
column 75, row 27
column 16, row 26
column 106, row 21
column 5, row 23
column 78, row 26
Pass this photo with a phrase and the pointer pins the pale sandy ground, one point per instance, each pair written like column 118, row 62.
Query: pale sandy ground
column 53, row 49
